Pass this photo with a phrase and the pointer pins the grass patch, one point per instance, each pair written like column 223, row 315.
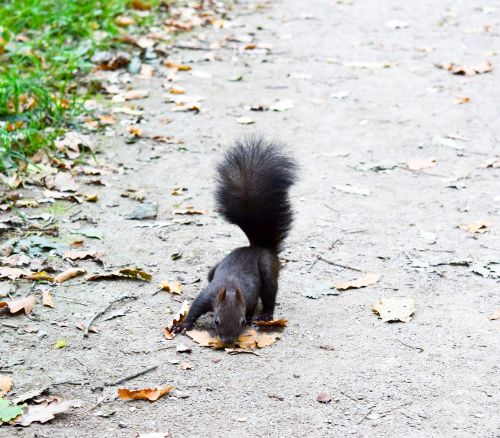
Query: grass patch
column 45, row 47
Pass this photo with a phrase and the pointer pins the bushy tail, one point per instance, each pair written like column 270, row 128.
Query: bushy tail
column 253, row 179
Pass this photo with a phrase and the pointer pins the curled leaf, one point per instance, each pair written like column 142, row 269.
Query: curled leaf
column 47, row 300
column 68, row 274
column 126, row 273
column 143, row 394
column 480, row 226
column 177, row 319
column 45, row 411
column 5, row 384
column 175, row 287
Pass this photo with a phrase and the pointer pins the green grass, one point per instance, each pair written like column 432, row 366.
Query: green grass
column 45, row 48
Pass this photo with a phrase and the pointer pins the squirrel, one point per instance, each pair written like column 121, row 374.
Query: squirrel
column 253, row 180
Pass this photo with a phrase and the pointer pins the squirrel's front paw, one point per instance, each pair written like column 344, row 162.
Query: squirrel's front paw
column 182, row 328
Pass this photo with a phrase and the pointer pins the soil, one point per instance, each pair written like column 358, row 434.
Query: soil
column 365, row 88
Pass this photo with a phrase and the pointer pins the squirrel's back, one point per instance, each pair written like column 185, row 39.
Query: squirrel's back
column 253, row 179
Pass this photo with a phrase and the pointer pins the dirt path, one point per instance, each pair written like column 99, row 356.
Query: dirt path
column 437, row 375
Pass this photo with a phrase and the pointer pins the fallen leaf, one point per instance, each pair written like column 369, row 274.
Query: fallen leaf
column 250, row 339
column 5, row 384
column 245, row 120
column 461, row 100
column 143, row 394
column 148, row 210
column 176, row 66
column 140, row 5
column 467, row 70
column 174, row 287
column 11, row 273
column 15, row 306
column 69, row 274
column 176, row 90
column 135, row 94
column 181, row 348
column 395, row 309
column 495, row 315
column 39, row 276
column 480, row 226
column 8, row 411
column 91, row 197
column 125, row 273
column 60, row 343
column 83, row 255
column 107, row 119
column 273, row 323
column 177, row 319
column 421, row 164
column 45, row 411
column 190, row 211
column 356, row 284
column 134, row 130
column 186, row 366
column 47, row 300
column 323, row 397
column 61, row 181
column 492, row 164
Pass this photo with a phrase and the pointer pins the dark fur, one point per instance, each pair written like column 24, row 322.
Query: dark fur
column 252, row 192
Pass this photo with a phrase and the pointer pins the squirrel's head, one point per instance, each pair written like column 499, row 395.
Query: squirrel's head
column 229, row 314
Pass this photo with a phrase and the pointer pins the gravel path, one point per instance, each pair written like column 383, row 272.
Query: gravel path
column 366, row 93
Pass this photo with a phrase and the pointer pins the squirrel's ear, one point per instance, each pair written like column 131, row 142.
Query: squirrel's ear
column 222, row 294
column 239, row 296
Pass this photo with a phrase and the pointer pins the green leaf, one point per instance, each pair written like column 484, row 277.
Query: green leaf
column 8, row 411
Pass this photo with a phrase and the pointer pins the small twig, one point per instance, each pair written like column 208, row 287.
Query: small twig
column 188, row 47
column 348, row 396
column 421, row 350
column 102, row 312
column 133, row 376
column 339, row 264
column 367, row 413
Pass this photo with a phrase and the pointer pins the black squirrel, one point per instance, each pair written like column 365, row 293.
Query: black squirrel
column 253, row 180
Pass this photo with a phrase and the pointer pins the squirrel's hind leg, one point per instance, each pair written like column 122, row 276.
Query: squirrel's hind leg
column 269, row 272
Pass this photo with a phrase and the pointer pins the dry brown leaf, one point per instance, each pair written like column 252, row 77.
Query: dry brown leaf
column 250, row 339
column 45, row 411
column 69, row 274
column 176, row 90
column 467, row 70
column 135, row 94
column 174, row 287
column 83, row 255
column 190, row 211
column 273, row 323
column 356, row 284
column 134, row 130
column 126, row 273
column 395, row 309
column 495, row 315
column 480, row 226
column 177, row 319
column 61, row 181
column 15, row 306
column 5, row 384
column 47, row 300
column 176, row 66
column 143, row 394
column 61, row 195
column 11, row 273
column 421, row 163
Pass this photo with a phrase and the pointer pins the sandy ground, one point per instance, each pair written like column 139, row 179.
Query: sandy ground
column 437, row 375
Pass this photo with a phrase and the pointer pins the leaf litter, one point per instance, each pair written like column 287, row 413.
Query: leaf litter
column 392, row 309
column 143, row 394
